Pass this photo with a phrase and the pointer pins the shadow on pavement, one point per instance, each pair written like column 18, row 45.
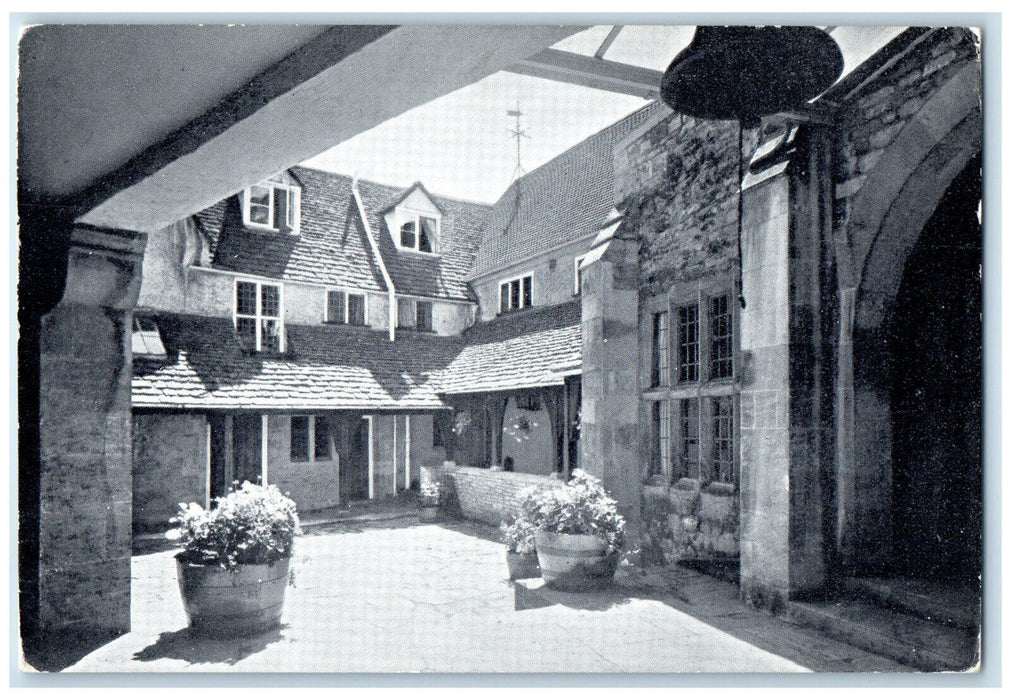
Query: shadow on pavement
column 186, row 646
column 57, row 650
column 540, row 596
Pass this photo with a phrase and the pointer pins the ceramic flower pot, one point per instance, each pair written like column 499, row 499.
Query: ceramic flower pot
column 575, row 562
column 237, row 603
column 522, row 565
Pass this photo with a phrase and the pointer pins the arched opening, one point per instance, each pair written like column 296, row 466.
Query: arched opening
column 934, row 340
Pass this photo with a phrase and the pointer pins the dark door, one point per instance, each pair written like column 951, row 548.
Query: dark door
column 220, row 456
column 247, row 439
column 354, row 466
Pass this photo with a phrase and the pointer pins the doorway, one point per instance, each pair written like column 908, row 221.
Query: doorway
column 935, row 350
column 354, row 459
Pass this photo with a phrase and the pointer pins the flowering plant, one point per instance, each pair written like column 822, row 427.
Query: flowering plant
column 431, row 494
column 518, row 535
column 251, row 525
column 580, row 507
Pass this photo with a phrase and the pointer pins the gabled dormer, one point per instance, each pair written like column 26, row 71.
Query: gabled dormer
column 273, row 205
column 415, row 221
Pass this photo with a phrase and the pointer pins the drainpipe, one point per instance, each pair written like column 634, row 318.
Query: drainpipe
column 379, row 258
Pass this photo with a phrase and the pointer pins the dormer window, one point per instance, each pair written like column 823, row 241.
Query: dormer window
column 419, row 233
column 515, row 293
column 272, row 206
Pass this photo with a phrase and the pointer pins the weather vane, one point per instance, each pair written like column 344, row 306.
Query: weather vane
column 518, row 133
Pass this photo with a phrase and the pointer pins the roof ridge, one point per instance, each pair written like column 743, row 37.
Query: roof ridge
column 400, row 189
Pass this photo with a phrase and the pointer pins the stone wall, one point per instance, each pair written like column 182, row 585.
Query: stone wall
column 169, row 466
column 677, row 182
column 872, row 121
column 482, row 494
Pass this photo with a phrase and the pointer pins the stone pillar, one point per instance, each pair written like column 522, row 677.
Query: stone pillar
column 85, row 478
column 609, row 415
column 786, row 407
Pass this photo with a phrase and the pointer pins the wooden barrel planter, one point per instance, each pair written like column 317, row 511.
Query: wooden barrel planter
column 237, row 603
column 522, row 565
column 575, row 562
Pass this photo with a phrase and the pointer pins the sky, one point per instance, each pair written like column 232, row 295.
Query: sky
column 459, row 145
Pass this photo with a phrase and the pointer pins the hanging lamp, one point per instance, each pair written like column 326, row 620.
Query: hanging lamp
column 745, row 73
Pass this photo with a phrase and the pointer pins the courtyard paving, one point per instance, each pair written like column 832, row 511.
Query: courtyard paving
column 392, row 595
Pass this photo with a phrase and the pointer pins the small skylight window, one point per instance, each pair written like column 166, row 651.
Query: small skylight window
column 146, row 340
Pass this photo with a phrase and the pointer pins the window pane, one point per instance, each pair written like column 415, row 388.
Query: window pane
column 437, row 428
column 270, row 335
column 427, row 240
column 322, row 440
column 514, row 294
column 527, row 293
column 723, row 439
column 280, row 208
column 661, row 349
column 407, row 237
column 721, row 338
column 259, row 204
column 245, row 298
column 246, row 330
column 660, row 463
column 270, row 300
column 356, row 309
column 405, row 313
column 424, row 309
column 689, row 453
column 300, row 438
column 335, row 307
column 688, row 343
column 503, row 298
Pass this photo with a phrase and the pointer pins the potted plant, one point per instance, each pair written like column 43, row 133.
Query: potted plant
column 579, row 533
column 233, row 569
column 431, row 497
column 521, row 548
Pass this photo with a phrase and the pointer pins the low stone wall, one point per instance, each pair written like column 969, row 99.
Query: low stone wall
column 482, row 494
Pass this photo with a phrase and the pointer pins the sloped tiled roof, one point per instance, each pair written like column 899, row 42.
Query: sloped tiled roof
column 521, row 350
column 561, row 201
column 332, row 247
column 326, row 367
column 342, row 367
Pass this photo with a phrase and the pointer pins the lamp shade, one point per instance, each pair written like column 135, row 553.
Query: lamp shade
column 748, row 72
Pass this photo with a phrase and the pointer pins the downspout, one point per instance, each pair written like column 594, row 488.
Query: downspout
column 379, row 258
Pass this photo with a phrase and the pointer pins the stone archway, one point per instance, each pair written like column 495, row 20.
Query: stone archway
column 887, row 219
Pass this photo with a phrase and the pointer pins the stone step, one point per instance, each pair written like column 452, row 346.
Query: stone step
column 908, row 639
column 954, row 605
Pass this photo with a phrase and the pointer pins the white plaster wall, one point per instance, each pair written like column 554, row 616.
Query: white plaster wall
column 531, row 450
column 553, row 279
column 312, row 485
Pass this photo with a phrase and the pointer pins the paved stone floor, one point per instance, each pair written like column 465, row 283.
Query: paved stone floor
column 398, row 596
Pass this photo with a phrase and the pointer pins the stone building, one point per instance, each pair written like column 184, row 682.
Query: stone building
column 291, row 334
column 827, row 425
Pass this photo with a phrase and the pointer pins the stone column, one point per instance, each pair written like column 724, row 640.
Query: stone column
column 609, row 416
column 85, row 478
column 786, row 388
